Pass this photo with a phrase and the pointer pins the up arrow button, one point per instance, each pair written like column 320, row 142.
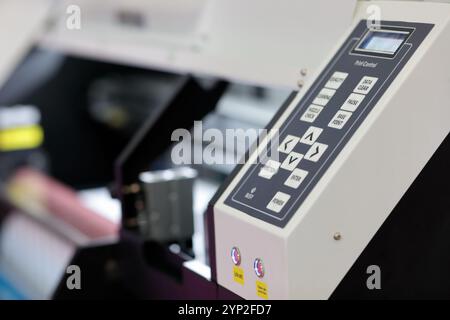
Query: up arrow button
column 311, row 135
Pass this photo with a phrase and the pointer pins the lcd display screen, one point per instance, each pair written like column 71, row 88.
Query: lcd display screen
column 382, row 41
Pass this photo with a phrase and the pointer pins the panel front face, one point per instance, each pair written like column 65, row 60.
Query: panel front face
column 325, row 119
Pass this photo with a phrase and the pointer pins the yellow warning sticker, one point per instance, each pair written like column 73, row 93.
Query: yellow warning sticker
column 238, row 275
column 262, row 290
column 21, row 138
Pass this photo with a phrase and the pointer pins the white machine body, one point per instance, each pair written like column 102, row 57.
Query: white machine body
column 360, row 164
column 26, row 19
column 258, row 42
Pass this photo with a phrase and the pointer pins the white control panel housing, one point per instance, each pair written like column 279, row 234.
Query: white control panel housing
column 318, row 207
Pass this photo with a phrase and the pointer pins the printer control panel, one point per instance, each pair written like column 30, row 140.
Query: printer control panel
column 325, row 119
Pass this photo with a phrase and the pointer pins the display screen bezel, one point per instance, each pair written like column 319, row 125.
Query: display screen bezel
column 383, row 29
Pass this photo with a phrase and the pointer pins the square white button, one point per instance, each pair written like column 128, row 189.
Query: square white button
column 353, row 101
column 336, row 80
column 311, row 113
column 340, row 119
column 269, row 169
column 315, row 152
column 296, row 178
column 311, row 135
column 324, row 96
column 291, row 161
column 278, row 201
column 288, row 144
column 365, row 85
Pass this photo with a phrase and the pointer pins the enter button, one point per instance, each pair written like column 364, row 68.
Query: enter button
column 296, row 178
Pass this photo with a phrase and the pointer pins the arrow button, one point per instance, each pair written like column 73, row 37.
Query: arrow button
column 291, row 161
column 316, row 151
column 288, row 144
column 311, row 135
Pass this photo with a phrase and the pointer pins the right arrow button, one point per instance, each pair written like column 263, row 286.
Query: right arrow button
column 316, row 151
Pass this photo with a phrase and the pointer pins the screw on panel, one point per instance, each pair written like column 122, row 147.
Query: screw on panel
column 304, row 72
column 300, row 83
column 337, row 236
